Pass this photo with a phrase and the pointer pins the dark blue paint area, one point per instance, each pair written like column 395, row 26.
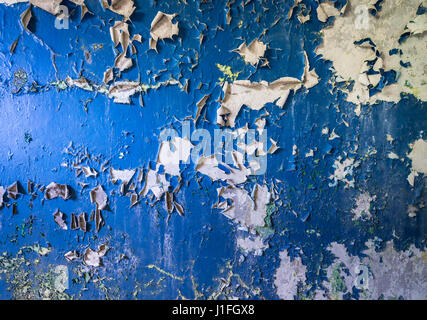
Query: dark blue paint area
column 39, row 120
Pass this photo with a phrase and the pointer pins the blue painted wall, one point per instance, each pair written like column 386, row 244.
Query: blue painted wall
column 199, row 249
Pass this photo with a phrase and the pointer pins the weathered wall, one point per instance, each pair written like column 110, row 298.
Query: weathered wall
column 339, row 212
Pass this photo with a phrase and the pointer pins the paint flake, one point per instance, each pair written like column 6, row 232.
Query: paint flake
column 418, row 156
column 162, row 28
column 55, row 190
column 362, row 210
column 59, row 218
column 354, row 58
column 99, row 197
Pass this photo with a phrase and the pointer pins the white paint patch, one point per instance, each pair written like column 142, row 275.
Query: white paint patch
column 252, row 244
column 363, row 207
column 288, row 276
column 344, row 172
column 418, row 156
column 388, row 274
column 392, row 155
column 359, row 62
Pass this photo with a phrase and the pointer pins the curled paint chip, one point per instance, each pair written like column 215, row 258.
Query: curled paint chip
column 327, row 9
column 13, row 45
column 162, row 28
column 59, row 218
column 74, row 225
column 30, row 186
column 200, row 105
column 253, row 53
column 81, row 83
column 310, row 77
column 179, row 208
column 102, row 249
column 2, row 193
column 26, row 17
column 13, row 191
column 122, row 91
column 124, row 8
column 273, row 147
column 89, row 172
column 119, row 33
column 71, row 255
column 108, row 76
column 83, row 7
column 93, row 258
column 98, row 220
column 255, row 95
column 122, row 62
column 155, row 182
column 418, row 156
column 169, row 202
column 418, row 25
column 99, row 197
column 55, row 190
column 133, row 199
column 82, row 221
